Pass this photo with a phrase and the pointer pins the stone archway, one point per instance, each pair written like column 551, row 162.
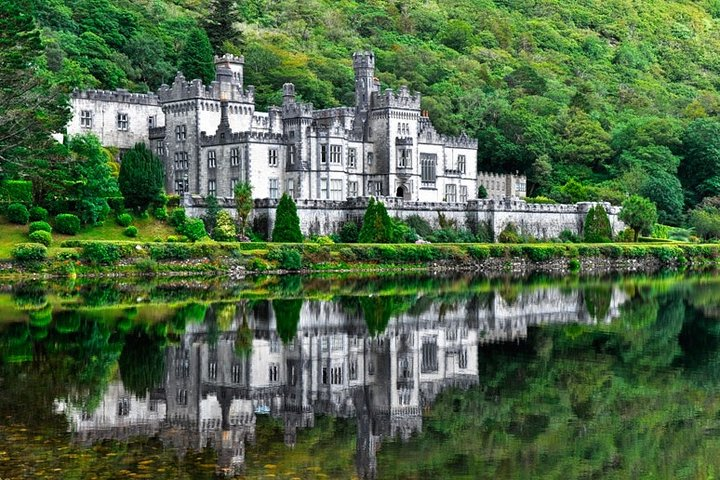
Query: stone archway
column 400, row 192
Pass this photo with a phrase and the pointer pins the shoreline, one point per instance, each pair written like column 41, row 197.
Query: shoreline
column 97, row 259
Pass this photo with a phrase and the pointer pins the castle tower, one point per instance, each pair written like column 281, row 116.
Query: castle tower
column 232, row 66
column 365, row 85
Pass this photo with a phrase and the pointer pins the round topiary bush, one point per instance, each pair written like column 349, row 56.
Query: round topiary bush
column 130, row 231
column 18, row 213
column 124, row 219
column 39, row 226
column 29, row 252
column 67, row 223
column 38, row 214
column 41, row 236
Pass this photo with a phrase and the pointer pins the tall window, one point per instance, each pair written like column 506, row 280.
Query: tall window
column 274, row 191
column 236, row 373
column 378, row 188
column 273, row 157
column 335, row 153
column 123, row 407
column 212, row 160
column 428, row 164
column 181, row 397
column 234, row 157
column 233, row 184
column 353, row 368
column 323, row 154
column 212, row 370
column 273, row 373
column 352, row 189
column 291, row 187
column 182, row 161
column 463, row 360
column 212, row 187
column 404, row 158
column 86, row 119
column 152, row 121
column 461, row 163
column 429, row 349
column 370, row 158
column 291, row 155
column 463, row 194
column 451, row 193
column 180, row 133
column 336, row 189
column 122, row 121
column 352, row 157
column 324, row 188
column 159, row 148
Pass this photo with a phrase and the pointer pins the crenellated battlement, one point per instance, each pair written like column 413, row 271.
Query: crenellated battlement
column 291, row 110
column 364, row 59
column 181, row 89
column 401, row 99
column 120, row 95
column 334, row 112
column 463, row 141
column 229, row 58
column 242, row 137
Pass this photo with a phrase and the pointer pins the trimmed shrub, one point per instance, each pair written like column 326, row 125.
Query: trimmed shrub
column 224, row 227
column 160, row 213
column 124, row 219
column 29, row 252
column 37, row 226
column 478, row 252
column 377, row 227
column 100, row 253
column 177, row 218
column 18, row 213
column 131, row 231
column 38, row 214
column 597, row 228
column 349, row 232
column 287, row 222
column 509, row 234
column 193, row 229
column 538, row 253
column 41, row 236
column 67, row 223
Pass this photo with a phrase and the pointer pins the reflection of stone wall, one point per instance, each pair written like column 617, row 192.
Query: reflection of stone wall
column 211, row 395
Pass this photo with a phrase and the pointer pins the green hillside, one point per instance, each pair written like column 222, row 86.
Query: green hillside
column 612, row 93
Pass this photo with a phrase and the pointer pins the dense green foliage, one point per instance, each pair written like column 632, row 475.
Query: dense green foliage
column 35, row 226
column 287, row 222
column 18, row 213
column 16, row 191
column 243, row 205
column 193, row 229
column 131, row 231
column 141, row 177
column 26, row 252
column 639, row 214
column 124, row 219
column 67, row 223
column 41, row 236
column 377, row 226
column 597, row 228
column 39, row 214
column 196, row 57
column 224, row 230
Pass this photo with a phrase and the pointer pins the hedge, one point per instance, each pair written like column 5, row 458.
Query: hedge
column 27, row 252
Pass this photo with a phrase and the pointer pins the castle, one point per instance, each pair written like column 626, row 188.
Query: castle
column 210, row 137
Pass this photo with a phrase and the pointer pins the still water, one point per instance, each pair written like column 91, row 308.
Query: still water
column 399, row 377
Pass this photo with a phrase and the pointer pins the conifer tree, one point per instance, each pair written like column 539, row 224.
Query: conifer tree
column 220, row 24
column 597, row 228
column 197, row 57
column 141, row 177
column 243, row 205
column 377, row 225
column 287, row 222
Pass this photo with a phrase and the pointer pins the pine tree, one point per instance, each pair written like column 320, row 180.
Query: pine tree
column 377, row 225
column 287, row 222
column 597, row 228
column 220, row 24
column 141, row 177
column 243, row 205
column 197, row 57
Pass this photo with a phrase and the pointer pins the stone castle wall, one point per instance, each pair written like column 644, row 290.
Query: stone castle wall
column 323, row 217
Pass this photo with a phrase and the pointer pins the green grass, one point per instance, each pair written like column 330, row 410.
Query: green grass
column 148, row 230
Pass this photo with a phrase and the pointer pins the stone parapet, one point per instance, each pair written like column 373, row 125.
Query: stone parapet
column 120, row 95
column 402, row 99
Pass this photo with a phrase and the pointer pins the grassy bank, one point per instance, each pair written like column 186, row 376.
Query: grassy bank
column 124, row 257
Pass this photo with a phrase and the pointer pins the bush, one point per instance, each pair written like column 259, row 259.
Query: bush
column 538, row 253
column 193, row 229
column 160, row 213
column 116, row 204
column 479, row 253
column 574, row 265
column 177, row 218
column 131, row 231
column 540, row 199
column 377, row 226
column 568, row 237
column 349, row 232
column 224, row 227
column 258, row 265
column 29, row 252
column 18, row 213
column 99, row 253
column 41, row 236
column 509, row 234
column 173, row 201
column 627, row 235
column 597, row 227
column 37, row 226
column 420, row 225
column 38, row 214
column 124, row 219
column 287, row 222
column 288, row 258
column 67, row 223
column 451, row 235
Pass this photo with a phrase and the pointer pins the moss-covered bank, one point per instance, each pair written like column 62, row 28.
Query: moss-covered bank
column 115, row 258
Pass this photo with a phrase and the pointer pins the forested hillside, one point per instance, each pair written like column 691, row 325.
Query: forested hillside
column 619, row 95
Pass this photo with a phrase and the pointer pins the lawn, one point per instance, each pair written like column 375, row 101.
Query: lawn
column 148, row 230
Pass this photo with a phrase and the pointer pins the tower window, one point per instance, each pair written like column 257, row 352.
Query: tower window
column 86, row 119
column 122, row 121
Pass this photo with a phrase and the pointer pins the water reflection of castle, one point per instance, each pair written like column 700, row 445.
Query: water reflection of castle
column 211, row 396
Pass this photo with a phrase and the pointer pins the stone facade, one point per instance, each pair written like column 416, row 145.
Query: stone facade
column 500, row 186
column 211, row 137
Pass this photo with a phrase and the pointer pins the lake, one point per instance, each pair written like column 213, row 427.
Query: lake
column 362, row 376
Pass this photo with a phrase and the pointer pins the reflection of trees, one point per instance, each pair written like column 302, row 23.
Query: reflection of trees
column 287, row 316
column 142, row 360
column 597, row 300
column 244, row 336
column 378, row 310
